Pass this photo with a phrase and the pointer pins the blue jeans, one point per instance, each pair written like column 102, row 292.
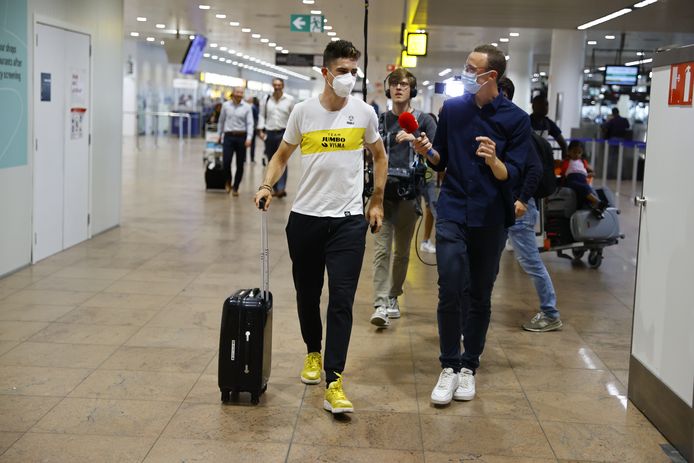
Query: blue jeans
column 522, row 237
column 468, row 262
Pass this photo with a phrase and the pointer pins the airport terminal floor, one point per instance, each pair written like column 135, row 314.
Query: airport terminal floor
column 108, row 349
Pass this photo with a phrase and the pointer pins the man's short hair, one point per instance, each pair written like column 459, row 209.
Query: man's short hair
column 506, row 87
column 539, row 98
column 496, row 60
column 615, row 112
column 401, row 74
column 339, row 49
column 278, row 79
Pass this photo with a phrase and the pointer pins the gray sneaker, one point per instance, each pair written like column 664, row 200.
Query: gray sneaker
column 541, row 323
column 393, row 308
column 380, row 317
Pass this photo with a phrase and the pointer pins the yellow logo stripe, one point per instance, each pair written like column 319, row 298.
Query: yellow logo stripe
column 321, row 141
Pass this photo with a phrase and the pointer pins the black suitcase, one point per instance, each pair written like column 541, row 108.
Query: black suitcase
column 245, row 340
column 214, row 175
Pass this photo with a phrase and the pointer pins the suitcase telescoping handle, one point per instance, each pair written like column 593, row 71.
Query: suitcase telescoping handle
column 264, row 252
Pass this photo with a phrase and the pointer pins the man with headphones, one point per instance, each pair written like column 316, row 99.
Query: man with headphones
column 401, row 207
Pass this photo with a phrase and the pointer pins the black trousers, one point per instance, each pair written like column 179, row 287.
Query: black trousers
column 234, row 145
column 468, row 263
column 272, row 143
column 317, row 243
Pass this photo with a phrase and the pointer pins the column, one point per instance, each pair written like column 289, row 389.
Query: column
column 566, row 66
column 519, row 70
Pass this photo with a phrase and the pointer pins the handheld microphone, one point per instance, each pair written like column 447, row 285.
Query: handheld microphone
column 409, row 124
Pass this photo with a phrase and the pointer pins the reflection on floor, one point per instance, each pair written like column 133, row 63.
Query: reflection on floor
column 108, row 349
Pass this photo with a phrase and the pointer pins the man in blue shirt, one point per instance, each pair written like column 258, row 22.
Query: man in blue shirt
column 481, row 141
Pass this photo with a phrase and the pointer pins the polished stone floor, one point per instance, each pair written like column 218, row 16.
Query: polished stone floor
column 108, row 349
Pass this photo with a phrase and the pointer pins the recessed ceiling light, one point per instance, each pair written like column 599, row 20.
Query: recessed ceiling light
column 592, row 42
column 514, row 34
column 162, row 42
column 206, row 55
column 204, row 7
column 160, row 26
column 316, row 12
column 271, row 44
column 220, row 16
column 239, row 54
column 601, row 68
column 508, row 57
column 215, row 57
column 234, row 23
column 223, row 48
column 543, row 73
column 213, row 45
column 264, row 40
column 191, row 36
column 425, row 83
column 610, row 37
column 309, row 2
column 328, row 28
column 586, row 71
column 444, row 72
column 278, row 48
column 151, row 39
column 255, row 36
column 335, row 39
column 605, row 18
column 285, row 51
column 495, row 44
column 228, row 61
column 245, row 29
column 231, row 52
column 141, row 19
column 134, row 34
column 503, row 39
column 332, row 34
column 234, row 63
column 246, row 56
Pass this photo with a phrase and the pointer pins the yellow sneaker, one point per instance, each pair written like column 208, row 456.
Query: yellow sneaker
column 335, row 399
column 312, row 367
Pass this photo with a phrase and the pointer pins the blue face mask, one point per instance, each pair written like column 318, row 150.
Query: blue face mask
column 469, row 80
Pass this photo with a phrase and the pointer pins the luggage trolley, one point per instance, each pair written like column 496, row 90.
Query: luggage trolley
column 565, row 227
column 212, row 159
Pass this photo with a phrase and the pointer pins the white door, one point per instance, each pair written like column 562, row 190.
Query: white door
column 61, row 129
column 663, row 309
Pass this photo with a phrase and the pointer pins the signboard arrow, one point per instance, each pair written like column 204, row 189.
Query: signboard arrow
column 299, row 23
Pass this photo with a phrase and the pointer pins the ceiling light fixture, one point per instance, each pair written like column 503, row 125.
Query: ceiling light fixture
column 335, row 39
column 640, row 53
column 592, row 42
column 316, row 12
column 285, row 52
column 234, row 23
column 151, row 39
column 332, row 34
column 508, row 57
column 503, row 39
column 215, row 57
column 641, row 61
column 206, row 55
column 425, row 83
column 586, row 71
column 514, row 34
column 327, row 28
column 278, row 48
column 255, row 36
column 543, row 74
column 495, row 44
column 204, row 7
column 644, row 3
column 223, row 48
column 142, row 19
column 134, row 34
column 220, row 16
column 610, row 37
column 601, row 68
column 264, row 40
column 160, row 26
column 213, row 45
column 445, row 71
column 162, row 42
column 606, row 18
column 272, row 44
column 309, row 2
column 245, row 29
column 191, row 36
column 239, row 54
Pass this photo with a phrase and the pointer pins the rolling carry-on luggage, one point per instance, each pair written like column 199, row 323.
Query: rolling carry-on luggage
column 215, row 179
column 586, row 227
column 245, row 339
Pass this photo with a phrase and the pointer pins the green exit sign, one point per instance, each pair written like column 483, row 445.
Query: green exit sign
column 306, row 23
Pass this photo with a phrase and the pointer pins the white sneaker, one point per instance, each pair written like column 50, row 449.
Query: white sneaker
column 380, row 317
column 393, row 309
column 508, row 246
column 466, row 385
column 445, row 387
column 427, row 246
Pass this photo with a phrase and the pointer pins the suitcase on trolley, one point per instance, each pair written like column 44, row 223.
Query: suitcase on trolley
column 245, row 339
column 586, row 227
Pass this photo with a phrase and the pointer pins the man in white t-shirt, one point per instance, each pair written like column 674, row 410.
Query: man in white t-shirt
column 327, row 228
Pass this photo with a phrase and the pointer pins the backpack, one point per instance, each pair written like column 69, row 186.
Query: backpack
column 548, row 181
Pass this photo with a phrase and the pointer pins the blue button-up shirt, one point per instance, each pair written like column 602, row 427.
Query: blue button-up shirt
column 470, row 193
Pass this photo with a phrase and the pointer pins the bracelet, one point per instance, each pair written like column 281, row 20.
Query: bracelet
column 265, row 187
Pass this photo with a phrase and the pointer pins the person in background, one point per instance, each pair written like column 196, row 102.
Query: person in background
column 616, row 127
column 327, row 228
column 433, row 183
column 576, row 171
column 543, row 125
column 400, row 213
column 274, row 114
column 253, row 101
column 481, row 141
column 522, row 233
column 235, row 132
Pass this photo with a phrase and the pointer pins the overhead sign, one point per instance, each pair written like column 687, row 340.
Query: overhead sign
column 306, row 23
column 417, row 43
column 298, row 59
column 681, row 84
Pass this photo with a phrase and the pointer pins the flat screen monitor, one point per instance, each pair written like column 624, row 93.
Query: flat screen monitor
column 191, row 59
column 621, row 75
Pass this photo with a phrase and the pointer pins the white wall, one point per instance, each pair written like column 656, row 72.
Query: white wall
column 103, row 19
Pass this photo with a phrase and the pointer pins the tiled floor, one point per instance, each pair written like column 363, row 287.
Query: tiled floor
column 108, row 350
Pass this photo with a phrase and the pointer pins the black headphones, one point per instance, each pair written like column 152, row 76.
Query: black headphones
column 413, row 88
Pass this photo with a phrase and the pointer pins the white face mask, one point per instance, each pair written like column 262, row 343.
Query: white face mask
column 469, row 80
column 343, row 84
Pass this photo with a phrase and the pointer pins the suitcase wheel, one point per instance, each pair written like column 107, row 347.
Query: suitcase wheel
column 226, row 396
column 255, row 399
